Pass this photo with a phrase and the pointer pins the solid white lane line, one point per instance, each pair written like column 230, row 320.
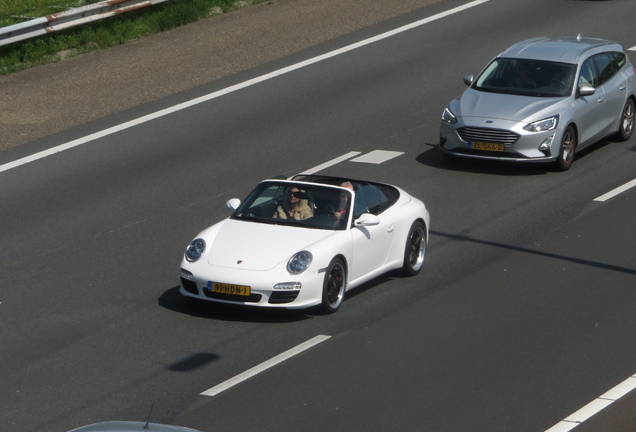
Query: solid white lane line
column 234, row 88
column 618, row 190
column 596, row 406
column 265, row 365
column 332, row 162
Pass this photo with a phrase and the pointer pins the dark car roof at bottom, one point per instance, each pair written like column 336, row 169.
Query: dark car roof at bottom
column 131, row 426
column 561, row 49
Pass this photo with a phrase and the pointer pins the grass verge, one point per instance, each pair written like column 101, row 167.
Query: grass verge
column 99, row 34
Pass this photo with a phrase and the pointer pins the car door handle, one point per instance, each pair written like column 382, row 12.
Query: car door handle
column 622, row 87
column 601, row 99
column 391, row 228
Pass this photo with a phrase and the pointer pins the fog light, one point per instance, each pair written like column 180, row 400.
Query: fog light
column 545, row 145
column 288, row 286
column 186, row 274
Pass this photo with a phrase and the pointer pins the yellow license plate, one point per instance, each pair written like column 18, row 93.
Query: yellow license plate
column 480, row 145
column 229, row 289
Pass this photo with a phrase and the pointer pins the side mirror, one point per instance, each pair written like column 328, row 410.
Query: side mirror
column 586, row 90
column 367, row 219
column 233, row 204
column 468, row 79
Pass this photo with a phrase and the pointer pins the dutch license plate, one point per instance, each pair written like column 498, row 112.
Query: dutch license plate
column 480, row 145
column 229, row 289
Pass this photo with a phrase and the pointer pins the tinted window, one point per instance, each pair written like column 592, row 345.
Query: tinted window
column 606, row 67
column 373, row 199
column 588, row 74
column 619, row 58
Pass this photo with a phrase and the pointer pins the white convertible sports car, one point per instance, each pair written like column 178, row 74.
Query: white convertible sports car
column 305, row 241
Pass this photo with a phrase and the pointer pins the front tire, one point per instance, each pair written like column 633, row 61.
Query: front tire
column 626, row 126
column 414, row 249
column 333, row 287
column 568, row 147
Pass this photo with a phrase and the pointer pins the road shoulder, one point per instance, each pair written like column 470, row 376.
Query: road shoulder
column 52, row 98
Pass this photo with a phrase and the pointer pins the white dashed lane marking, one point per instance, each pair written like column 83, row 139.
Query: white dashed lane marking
column 616, row 191
column 596, row 406
column 377, row 156
column 264, row 366
column 374, row 157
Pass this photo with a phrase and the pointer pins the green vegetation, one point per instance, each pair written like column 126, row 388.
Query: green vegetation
column 98, row 34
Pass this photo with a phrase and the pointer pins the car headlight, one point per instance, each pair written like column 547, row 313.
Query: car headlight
column 448, row 116
column 195, row 250
column 299, row 262
column 543, row 125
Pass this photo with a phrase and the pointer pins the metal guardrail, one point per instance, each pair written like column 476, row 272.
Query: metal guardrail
column 70, row 18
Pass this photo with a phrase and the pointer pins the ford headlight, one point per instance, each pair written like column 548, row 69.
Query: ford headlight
column 449, row 117
column 543, row 125
column 195, row 250
column 299, row 262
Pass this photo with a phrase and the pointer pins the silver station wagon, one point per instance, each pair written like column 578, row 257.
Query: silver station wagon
column 542, row 100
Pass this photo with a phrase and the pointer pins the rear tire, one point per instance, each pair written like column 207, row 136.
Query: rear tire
column 414, row 249
column 567, row 150
column 333, row 288
column 626, row 126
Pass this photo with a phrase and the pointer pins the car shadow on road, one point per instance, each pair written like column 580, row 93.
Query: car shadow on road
column 174, row 301
column 395, row 274
column 435, row 159
column 193, row 361
column 537, row 252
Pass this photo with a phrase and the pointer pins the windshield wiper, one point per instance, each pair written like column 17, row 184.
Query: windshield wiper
column 491, row 90
column 292, row 222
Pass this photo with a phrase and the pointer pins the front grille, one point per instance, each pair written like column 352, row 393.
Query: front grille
column 488, row 135
column 189, row 286
column 252, row 298
column 279, row 297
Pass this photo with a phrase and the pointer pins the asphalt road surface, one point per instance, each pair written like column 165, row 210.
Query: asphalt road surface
column 476, row 355
column 52, row 98
column 522, row 315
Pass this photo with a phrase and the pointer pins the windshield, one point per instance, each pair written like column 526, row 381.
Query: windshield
column 527, row 78
column 297, row 204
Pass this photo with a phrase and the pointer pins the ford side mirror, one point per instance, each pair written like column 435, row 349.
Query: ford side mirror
column 586, row 90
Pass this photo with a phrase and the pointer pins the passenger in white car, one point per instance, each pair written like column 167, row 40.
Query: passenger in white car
column 295, row 206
